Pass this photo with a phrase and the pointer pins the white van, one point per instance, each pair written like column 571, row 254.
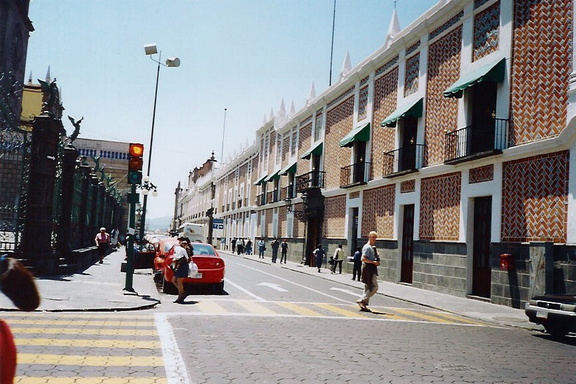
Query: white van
column 193, row 231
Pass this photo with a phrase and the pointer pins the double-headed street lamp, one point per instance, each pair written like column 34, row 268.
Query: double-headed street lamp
column 152, row 50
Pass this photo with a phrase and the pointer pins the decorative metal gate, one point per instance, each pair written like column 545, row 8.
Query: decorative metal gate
column 15, row 149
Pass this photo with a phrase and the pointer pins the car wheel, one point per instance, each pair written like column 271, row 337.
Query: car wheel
column 168, row 287
column 219, row 288
column 556, row 330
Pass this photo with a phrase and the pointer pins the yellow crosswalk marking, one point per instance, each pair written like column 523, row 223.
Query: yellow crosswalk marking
column 341, row 311
column 79, row 343
column 299, row 309
column 210, row 306
column 458, row 319
column 254, row 307
column 89, row 380
column 84, row 360
column 82, row 323
column 421, row 316
column 84, row 331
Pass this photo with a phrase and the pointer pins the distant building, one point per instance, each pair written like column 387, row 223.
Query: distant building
column 113, row 158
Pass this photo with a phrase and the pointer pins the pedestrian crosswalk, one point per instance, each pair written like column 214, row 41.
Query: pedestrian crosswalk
column 305, row 309
column 86, row 348
column 106, row 348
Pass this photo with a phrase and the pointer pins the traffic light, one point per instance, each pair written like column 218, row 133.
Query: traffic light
column 135, row 162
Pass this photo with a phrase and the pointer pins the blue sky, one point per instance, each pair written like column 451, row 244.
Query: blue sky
column 243, row 55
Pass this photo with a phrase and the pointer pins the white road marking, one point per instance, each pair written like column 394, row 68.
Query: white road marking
column 245, row 290
column 296, row 284
column 274, row 286
column 344, row 290
column 176, row 372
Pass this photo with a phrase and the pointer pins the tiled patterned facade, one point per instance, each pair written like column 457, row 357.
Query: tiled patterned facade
column 385, row 95
column 334, row 217
column 440, row 207
column 378, row 212
column 486, row 31
column 441, row 112
column 534, row 194
column 481, row 174
column 412, row 72
column 540, row 27
column 529, row 184
column 339, row 122
column 408, row 186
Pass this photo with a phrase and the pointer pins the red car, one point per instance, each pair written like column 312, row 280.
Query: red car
column 210, row 269
column 163, row 247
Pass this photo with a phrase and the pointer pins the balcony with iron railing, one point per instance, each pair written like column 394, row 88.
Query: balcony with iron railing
column 403, row 160
column 273, row 196
column 355, row 174
column 476, row 141
column 310, row 180
column 288, row 192
column 261, row 199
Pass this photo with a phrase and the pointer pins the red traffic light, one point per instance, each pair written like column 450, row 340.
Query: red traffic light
column 136, row 150
column 135, row 163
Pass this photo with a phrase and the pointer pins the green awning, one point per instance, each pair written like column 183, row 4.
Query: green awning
column 360, row 133
column 315, row 150
column 291, row 168
column 260, row 180
column 413, row 109
column 273, row 176
column 489, row 72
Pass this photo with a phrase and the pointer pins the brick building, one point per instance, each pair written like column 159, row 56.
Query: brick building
column 453, row 141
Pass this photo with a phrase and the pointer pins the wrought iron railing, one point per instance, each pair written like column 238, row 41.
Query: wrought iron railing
column 261, row 199
column 403, row 160
column 476, row 140
column 355, row 174
column 310, row 180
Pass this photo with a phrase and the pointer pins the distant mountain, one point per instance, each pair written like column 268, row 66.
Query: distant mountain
column 161, row 223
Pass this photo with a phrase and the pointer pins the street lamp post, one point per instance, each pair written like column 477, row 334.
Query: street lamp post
column 150, row 51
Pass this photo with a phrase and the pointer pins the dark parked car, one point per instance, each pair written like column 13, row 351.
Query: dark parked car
column 556, row 312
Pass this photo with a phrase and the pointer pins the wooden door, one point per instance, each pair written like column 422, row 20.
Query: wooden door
column 481, row 274
column 407, row 244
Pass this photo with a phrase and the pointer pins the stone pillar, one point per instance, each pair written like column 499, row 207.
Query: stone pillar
column 68, row 168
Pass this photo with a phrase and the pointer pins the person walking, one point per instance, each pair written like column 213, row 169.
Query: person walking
column 337, row 258
column 249, row 247
column 370, row 262
column 275, row 246
column 319, row 254
column 233, row 245
column 181, row 268
column 102, row 240
column 261, row 248
column 283, row 251
column 357, row 264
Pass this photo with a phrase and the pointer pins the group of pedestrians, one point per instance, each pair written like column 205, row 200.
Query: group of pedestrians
column 366, row 261
column 276, row 246
column 240, row 246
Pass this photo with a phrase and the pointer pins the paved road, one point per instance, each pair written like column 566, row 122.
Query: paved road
column 278, row 326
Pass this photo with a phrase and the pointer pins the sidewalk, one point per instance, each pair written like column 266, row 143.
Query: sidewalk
column 101, row 288
column 471, row 308
column 98, row 288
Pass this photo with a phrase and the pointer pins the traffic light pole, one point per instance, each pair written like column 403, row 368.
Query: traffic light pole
column 132, row 199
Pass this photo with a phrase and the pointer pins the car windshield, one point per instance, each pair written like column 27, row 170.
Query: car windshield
column 203, row 249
